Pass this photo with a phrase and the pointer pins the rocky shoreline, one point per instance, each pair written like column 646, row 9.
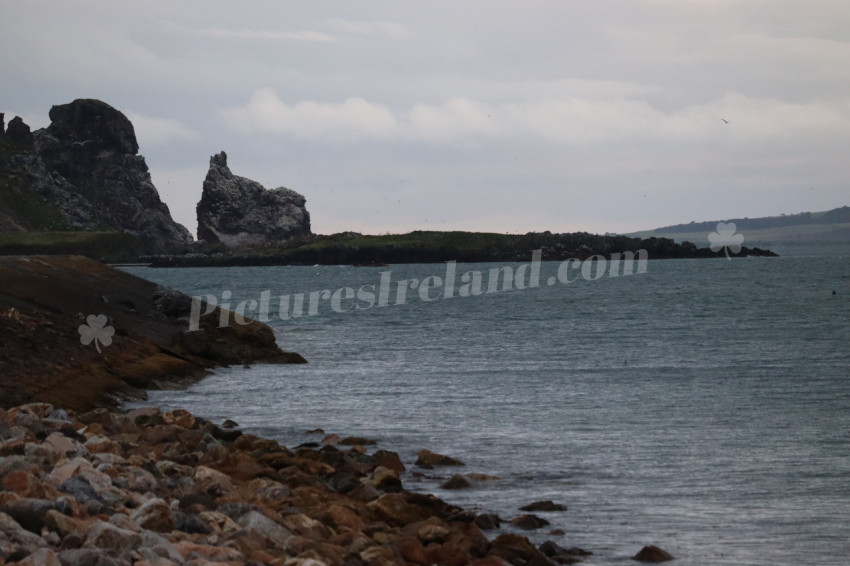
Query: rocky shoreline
column 83, row 483
column 167, row 488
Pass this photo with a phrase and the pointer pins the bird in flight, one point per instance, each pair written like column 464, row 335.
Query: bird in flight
column 725, row 121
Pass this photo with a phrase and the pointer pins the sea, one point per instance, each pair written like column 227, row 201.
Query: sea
column 701, row 405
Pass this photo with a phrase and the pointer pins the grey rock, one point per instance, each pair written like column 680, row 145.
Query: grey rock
column 236, row 211
column 83, row 172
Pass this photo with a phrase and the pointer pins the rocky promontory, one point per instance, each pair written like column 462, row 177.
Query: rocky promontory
column 80, row 334
column 83, row 173
column 239, row 212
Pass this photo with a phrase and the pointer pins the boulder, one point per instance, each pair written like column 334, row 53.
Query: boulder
column 457, row 481
column 546, row 505
column 529, row 522
column 427, row 459
column 236, row 211
column 652, row 553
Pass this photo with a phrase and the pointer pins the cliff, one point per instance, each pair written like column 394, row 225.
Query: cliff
column 79, row 334
column 238, row 212
column 83, row 173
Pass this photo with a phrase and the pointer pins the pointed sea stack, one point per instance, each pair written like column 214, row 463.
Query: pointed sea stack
column 237, row 212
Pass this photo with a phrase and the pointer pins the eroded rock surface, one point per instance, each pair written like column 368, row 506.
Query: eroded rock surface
column 237, row 212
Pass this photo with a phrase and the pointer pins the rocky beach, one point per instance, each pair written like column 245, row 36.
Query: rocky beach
column 87, row 483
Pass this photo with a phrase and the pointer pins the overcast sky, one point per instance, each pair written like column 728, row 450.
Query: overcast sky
column 499, row 116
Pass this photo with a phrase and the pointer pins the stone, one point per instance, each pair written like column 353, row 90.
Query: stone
column 357, row 441
column 41, row 557
column 258, row 525
column 19, row 132
column 64, row 525
column 427, row 459
column 18, row 535
column 386, row 479
column 85, row 170
column 79, row 488
column 528, row 522
column 154, row 515
column 546, row 505
column 389, row 460
column 457, row 481
column 652, row 553
column 236, row 211
column 86, row 557
column 516, row 549
column 30, row 513
column 108, row 537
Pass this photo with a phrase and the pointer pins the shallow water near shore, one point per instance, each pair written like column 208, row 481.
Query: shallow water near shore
column 702, row 406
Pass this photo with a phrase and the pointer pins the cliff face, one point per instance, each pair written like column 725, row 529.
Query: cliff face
column 238, row 212
column 82, row 172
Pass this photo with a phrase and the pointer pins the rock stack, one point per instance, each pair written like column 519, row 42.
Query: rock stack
column 83, row 173
column 237, row 212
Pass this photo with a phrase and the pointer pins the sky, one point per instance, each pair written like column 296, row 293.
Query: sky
column 391, row 116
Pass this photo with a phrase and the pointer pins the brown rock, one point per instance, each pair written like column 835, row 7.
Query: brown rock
column 108, row 537
column 26, row 484
column 339, row 516
column 385, row 479
column 41, row 557
column 154, row 515
column 516, row 549
column 529, row 522
column 393, row 508
column 191, row 551
column 547, row 505
column 652, row 553
column 429, row 459
column 63, row 525
column 389, row 460
column 357, row 441
column 411, row 549
column 457, row 481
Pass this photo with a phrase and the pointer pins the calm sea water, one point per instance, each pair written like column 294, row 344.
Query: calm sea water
column 702, row 406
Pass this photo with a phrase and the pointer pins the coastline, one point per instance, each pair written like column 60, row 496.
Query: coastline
column 149, row 487
column 47, row 301
column 85, row 482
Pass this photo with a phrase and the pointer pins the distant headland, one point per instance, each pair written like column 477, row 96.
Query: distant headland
column 79, row 186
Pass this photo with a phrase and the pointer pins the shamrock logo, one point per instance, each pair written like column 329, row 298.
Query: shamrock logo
column 96, row 330
column 725, row 237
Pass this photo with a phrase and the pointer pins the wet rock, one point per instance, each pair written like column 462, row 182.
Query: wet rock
column 546, row 505
column 652, row 553
column 389, row 459
column 529, row 522
column 357, row 441
column 386, row 480
column 517, row 550
column 427, row 459
column 488, row 521
column 457, row 481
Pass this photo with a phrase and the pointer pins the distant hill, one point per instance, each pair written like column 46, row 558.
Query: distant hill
column 806, row 227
